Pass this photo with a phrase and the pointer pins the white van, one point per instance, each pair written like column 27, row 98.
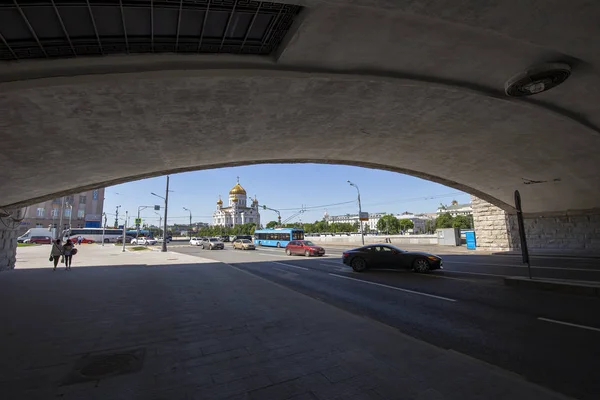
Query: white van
column 36, row 232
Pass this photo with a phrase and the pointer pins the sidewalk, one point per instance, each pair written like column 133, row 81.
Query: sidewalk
column 170, row 326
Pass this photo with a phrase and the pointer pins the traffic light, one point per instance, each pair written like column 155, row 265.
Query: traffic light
column 264, row 207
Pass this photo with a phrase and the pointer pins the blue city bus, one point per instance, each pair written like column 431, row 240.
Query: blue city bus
column 278, row 237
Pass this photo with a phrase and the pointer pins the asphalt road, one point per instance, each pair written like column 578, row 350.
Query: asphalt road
column 550, row 339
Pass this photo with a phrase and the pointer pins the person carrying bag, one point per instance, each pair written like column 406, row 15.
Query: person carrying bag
column 56, row 252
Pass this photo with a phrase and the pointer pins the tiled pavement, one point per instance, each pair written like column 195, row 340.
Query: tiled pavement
column 210, row 331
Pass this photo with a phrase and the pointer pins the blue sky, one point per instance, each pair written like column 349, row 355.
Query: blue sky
column 282, row 186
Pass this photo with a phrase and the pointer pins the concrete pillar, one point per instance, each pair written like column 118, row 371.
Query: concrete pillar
column 495, row 229
column 8, row 247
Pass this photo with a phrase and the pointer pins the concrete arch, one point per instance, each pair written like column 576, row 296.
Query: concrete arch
column 117, row 127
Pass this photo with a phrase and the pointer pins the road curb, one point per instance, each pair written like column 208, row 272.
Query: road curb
column 550, row 255
column 554, row 286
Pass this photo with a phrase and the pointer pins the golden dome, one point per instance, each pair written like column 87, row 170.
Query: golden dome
column 220, row 202
column 237, row 189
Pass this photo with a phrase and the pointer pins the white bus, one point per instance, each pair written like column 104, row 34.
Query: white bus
column 95, row 234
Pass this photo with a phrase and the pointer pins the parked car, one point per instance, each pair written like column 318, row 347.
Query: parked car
column 127, row 239
column 212, row 244
column 39, row 240
column 305, row 247
column 195, row 241
column 145, row 241
column 243, row 244
column 388, row 256
column 35, row 232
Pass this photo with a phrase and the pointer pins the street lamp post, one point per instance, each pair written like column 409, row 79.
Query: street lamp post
column 166, row 199
column 117, row 218
column 159, row 222
column 362, row 234
column 190, row 230
column 103, row 227
column 60, row 227
column 124, row 230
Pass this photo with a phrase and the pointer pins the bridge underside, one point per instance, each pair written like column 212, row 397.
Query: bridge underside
column 122, row 90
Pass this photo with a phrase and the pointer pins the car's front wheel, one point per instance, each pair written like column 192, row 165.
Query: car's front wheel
column 358, row 264
column 307, row 253
column 278, row 245
column 288, row 252
column 421, row 265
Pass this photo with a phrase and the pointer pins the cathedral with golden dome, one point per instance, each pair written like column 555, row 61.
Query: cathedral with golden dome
column 238, row 211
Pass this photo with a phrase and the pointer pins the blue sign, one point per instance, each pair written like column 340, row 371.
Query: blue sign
column 471, row 241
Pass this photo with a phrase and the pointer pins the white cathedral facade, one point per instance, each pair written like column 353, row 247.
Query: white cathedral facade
column 238, row 210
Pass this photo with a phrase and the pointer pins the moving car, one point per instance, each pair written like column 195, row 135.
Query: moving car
column 243, row 244
column 39, row 240
column 195, row 241
column 212, row 244
column 83, row 240
column 305, row 247
column 234, row 238
column 143, row 241
column 388, row 256
column 128, row 239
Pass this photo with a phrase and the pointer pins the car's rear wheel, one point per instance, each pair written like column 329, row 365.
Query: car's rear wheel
column 421, row 265
column 307, row 253
column 288, row 252
column 278, row 245
column 358, row 264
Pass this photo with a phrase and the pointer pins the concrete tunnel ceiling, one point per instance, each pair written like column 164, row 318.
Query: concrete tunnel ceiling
column 104, row 92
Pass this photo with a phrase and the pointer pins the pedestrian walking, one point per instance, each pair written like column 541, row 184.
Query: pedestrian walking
column 68, row 251
column 79, row 239
column 56, row 252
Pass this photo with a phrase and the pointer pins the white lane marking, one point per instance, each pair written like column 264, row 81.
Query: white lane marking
column 521, row 266
column 288, row 265
column 569, row 324
column 286, row 272
column 395, row 288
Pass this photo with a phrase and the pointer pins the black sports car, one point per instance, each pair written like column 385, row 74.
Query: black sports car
column 388, row 256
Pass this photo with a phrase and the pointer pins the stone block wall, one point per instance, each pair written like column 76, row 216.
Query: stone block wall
column 8, row 248
column 497, row 230
column 494, row 228
column 571, row 232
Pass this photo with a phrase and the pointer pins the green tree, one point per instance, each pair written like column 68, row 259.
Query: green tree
column 406, row 224
column 430, row 226
column 272, row 224
column 388, row 224
column 444, row 221
column 463, row 222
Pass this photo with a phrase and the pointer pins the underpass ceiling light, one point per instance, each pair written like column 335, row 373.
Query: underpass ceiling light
column 537, row 79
